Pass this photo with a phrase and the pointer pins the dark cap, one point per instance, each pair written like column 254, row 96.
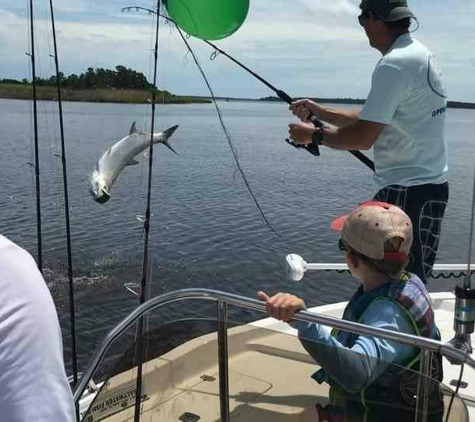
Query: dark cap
column 388, row 10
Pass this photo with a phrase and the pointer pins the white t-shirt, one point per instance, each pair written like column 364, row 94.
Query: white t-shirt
column 407, row 94
column 33, row 382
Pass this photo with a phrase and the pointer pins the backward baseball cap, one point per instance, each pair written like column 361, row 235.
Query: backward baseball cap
column 388, row 10
column 370, row 225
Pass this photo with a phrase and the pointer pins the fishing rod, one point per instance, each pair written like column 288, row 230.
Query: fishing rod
column 289, row 100
column 143, row 284
column 313, row 149
column 72, row 312
column 35, row 130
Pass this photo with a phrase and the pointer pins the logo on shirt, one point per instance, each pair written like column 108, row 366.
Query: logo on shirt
column 439, row 111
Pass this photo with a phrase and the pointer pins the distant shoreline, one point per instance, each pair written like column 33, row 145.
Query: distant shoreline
column 99, row 95
column 450, row 104
column 139, row 96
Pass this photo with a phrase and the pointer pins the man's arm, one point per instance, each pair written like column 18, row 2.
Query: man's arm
column 336, row 117
column 356, row 130
column 360, row 135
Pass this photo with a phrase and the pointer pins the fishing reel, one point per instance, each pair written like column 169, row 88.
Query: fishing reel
column 464, row 318
column 313, row 148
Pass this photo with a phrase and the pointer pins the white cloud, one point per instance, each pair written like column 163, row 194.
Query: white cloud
column 311, row 46
column 76, row 6
column 333, row 6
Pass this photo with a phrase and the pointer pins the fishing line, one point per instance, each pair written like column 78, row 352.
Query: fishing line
column 220, row 117
column 226, row 132
column 143, row 288
column 35, row 130
column 72, row 312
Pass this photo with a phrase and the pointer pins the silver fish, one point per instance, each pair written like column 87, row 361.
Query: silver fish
column 120, row 155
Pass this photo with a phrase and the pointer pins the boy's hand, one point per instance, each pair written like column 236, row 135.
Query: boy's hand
column 282, row 306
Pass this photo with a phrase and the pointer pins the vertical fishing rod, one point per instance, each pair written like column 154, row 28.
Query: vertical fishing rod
column 35, row 130
column 143, row 286
column 72, row 312
column 464, row 313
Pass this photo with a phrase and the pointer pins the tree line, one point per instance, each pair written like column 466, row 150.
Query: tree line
column 119, row 78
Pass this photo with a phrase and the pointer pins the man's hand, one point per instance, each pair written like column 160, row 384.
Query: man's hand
column 282, row 306
column 304, row 108
column 301, row 133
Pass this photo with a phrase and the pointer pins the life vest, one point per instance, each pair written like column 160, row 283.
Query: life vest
column 393, row 390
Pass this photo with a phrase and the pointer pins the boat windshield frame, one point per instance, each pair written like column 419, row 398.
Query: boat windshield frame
column 224, row 299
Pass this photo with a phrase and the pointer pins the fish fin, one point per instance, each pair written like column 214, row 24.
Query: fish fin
column 170, row 131
column 133, row 129
column 170, row 147
column 132, row 162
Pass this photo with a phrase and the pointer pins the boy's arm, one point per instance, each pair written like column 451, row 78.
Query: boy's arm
column 355, row 368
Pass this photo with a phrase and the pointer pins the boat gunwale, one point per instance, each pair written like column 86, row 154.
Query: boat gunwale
column 445, row 349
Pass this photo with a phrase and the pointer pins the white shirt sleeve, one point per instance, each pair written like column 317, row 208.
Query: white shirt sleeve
column 388, row 89
column 33, row 382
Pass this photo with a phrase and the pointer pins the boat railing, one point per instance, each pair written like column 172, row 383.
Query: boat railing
column 224, row 299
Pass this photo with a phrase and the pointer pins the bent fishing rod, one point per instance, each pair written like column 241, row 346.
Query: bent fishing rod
column 281, row 94
column 288, row 99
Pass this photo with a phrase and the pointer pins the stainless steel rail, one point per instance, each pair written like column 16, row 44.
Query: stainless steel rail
column 224, row 299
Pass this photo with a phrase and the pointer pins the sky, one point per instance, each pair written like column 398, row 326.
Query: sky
column 311, row 48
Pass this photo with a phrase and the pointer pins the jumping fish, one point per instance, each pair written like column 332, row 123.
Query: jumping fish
column 120, row 155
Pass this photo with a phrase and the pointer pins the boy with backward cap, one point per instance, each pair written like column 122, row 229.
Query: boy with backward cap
column 368, row 376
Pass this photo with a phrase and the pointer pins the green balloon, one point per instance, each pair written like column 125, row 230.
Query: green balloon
column 208, row 19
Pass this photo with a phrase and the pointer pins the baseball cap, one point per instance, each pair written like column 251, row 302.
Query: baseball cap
column 388, row 10
column 367, row 228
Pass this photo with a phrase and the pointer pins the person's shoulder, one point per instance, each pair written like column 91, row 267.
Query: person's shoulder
column 384, row 307
column 415, row 280
column 11, row 253
column 385, row 313
column 406, row 52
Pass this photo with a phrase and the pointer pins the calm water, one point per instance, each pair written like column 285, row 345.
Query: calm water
column 206, row 230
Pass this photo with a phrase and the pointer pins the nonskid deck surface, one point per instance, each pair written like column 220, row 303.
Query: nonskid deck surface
column 269, row 377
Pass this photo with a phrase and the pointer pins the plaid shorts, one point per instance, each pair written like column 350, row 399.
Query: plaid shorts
column 425, row 205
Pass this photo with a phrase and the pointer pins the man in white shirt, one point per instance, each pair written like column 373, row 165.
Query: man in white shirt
column 403, row 119
column 33, row 382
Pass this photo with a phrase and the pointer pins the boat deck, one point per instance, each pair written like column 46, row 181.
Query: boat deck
column 269, row 377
